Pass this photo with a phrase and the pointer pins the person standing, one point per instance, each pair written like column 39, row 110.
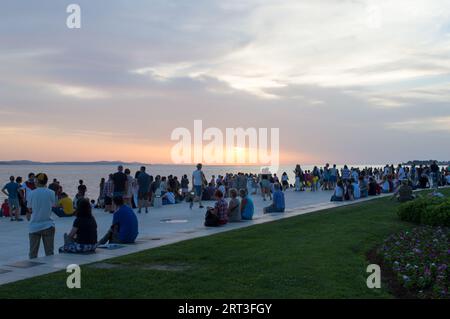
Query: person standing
column 11, row 190
column 28, row 187
column 128, row 188
column 198, row 180
column 184, row 186
column 120, row 182
column 108, row 191
column 144, row 182
column 298, row 172
column 41, row 225
column 82, row 189
column 101, row 196
column 434, row 174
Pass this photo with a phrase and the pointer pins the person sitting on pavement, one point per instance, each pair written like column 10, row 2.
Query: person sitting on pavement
column 247, row 207
column 219, row 211
column 64, row 207
column 234, row 214
column 168, row 198
column 338, row 195
column 124, row 229
column 4, row 210
column 83, row 236
column 278, row 203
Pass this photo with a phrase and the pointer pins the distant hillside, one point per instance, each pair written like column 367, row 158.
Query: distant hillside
column 426, row 162
column 27, row 162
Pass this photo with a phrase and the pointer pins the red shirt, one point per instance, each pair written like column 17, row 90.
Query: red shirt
column 5, row 209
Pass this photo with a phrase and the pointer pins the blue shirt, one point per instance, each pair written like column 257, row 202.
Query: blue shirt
column 13, row 190
column 248, row 211
column 127, row 221
column 41, row 201
column 278, row 199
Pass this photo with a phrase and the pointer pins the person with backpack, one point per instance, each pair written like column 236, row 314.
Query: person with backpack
column 217, row 215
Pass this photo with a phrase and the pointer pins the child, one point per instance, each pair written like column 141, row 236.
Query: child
column 5, row 209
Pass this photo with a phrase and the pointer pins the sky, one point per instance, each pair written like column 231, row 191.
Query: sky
column 345, row 81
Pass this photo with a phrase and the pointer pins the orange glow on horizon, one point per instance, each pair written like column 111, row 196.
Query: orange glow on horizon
column 43, row 146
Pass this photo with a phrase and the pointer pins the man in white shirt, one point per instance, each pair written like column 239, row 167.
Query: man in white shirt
column 40, row 204
column 198, row 179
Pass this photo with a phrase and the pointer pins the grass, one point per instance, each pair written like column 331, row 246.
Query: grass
column 318, row 255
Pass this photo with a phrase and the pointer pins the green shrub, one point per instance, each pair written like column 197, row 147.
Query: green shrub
column 426, row 210
column 437, row 215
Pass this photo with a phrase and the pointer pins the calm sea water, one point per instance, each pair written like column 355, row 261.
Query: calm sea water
column 68, row 175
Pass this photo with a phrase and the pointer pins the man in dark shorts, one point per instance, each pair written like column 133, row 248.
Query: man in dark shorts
column 144, row 181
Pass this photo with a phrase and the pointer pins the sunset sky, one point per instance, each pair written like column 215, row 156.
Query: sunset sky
column 344, row 81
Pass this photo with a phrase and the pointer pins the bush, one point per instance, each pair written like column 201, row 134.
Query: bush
column 420, row 260
column 437, row 215
column 433, row 211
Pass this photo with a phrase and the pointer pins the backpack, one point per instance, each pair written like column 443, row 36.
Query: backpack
column 211, row 220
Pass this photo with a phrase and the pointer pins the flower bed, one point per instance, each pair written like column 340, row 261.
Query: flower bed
column 419, row 259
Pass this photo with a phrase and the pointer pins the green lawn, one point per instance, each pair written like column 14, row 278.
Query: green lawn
column 318, row 255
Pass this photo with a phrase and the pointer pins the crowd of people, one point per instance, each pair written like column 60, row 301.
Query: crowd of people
column 232, row 193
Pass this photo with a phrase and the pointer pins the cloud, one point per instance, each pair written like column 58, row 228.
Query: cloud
column 78, row 91
column 335, row 76
column 433, row 124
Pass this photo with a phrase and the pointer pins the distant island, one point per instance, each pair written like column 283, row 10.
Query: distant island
column 426, row 162
column 27, row 162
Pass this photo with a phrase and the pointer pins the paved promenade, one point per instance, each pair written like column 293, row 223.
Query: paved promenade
column 159, row 227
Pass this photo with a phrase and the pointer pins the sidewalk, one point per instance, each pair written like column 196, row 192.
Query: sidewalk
column 162, row 226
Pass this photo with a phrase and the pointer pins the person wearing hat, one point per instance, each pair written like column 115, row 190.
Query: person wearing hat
column 41, row 225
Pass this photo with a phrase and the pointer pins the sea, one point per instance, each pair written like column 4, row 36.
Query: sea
column 69, row 175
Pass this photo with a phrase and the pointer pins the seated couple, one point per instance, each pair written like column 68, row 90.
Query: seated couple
column 240, row 209
column 83, row 236
column 222, row 212
column 278, row 202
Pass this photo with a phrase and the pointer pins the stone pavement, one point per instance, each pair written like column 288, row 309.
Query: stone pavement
column 161, row 226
